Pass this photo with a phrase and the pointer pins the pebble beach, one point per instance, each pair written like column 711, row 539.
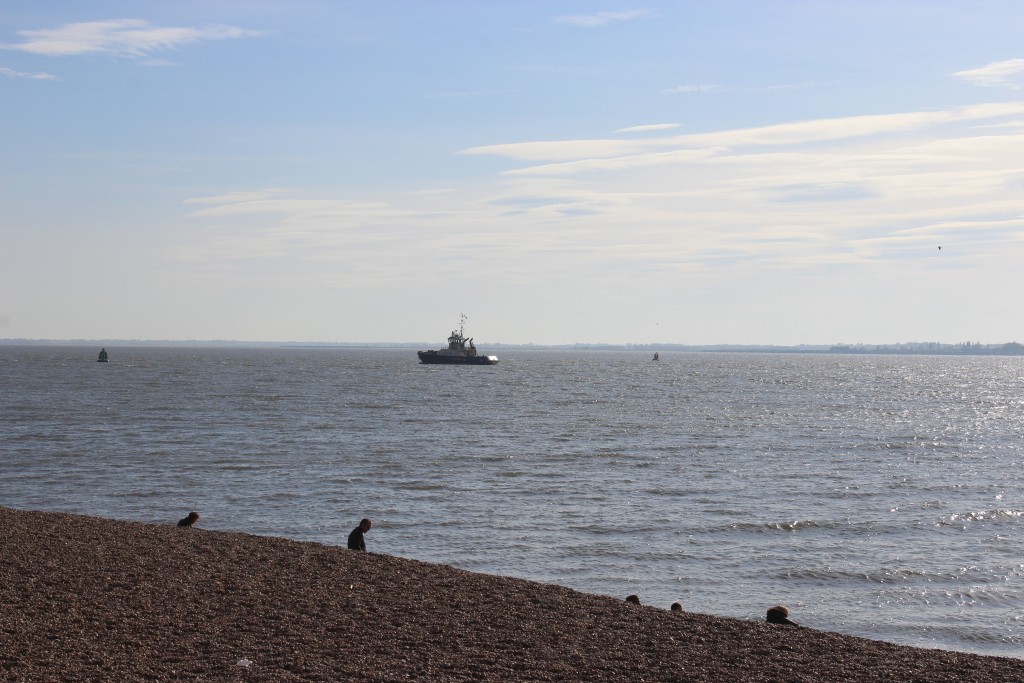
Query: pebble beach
column 92, row 599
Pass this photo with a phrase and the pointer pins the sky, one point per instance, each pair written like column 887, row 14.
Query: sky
column 691, row 172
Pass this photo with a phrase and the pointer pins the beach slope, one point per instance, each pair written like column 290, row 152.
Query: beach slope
column 84, row 598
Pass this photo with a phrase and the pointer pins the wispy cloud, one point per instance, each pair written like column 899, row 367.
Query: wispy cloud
column 601, row 18
column 695, row 88
column 803, row 196
column 118, row 37
column 709, row 88
column 617, row 163
column 315, row 235
column 557, row 149
column 11, row 73
column 856, row 200
column 817, row 130
column 996, row 74
column 649, row 127
column 467, row 94
column 237, row 197
column 433, row 192
column 580, row 155
column 304, row 208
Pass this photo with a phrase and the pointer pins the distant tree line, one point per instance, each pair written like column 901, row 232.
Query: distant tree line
column 935, row 348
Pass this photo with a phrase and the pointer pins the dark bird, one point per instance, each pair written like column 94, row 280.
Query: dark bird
column 192, row 518
column 779, row 615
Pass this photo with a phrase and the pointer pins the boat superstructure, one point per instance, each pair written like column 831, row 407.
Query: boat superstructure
column 460, row 351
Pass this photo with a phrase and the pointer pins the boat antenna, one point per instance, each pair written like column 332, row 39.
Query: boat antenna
column 462, row 322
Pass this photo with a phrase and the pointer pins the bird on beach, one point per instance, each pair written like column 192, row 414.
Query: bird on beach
column 779, row 615
column 192, row 518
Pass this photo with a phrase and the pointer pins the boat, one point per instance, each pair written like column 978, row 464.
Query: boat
column 460, row 351
column 655, row 356
column 103, row 356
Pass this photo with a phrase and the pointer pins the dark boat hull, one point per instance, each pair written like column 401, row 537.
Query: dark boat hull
column 433, row 357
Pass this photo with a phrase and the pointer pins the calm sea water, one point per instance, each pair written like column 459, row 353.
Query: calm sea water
column 878, row 496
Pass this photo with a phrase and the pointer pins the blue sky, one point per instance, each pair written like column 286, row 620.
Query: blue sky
column 690, row 172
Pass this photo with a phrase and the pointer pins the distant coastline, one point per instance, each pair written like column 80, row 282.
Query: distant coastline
column 897, row 348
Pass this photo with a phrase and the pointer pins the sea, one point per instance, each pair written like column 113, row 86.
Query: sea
column 874, row 495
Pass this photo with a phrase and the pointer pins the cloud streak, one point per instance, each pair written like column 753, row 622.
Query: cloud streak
column 601, row 18
column 11, row 73
column 711, row 88
column 118, row 37
column 695, row 88
column 581, row 155
column 996, row 74
column 647, row 128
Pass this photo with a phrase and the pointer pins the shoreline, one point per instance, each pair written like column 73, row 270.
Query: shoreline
column 88, row 598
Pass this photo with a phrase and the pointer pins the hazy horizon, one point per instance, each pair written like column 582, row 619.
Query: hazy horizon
column 765, row 173
column 481, row 344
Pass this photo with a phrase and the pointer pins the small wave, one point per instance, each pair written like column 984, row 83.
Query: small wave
column 496, row 457
column 284, row 495
column 673, row 492
column 236, row 466
column 998, row 514
column 874, row 576
column 929, row 598
column 598, row 529
column 985, row 595
column 420, row 486
column 961, row 637
column 370, row 406
column 140, row 493
column 910, row 441
column 990, row 637
column 795, row 525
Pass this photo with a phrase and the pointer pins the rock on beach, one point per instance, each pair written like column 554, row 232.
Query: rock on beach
column 86, row 598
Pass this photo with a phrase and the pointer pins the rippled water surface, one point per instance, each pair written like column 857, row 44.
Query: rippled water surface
column 879, row 496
